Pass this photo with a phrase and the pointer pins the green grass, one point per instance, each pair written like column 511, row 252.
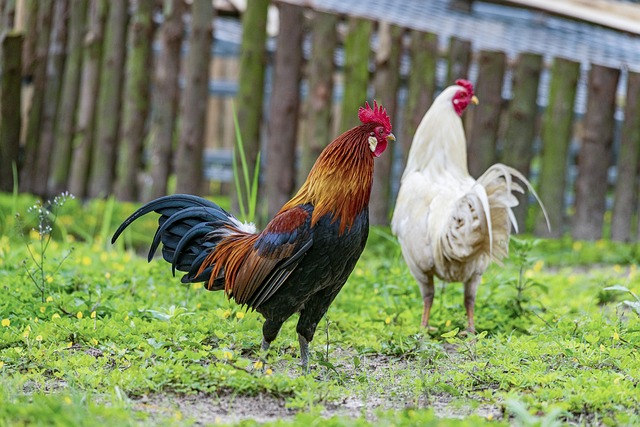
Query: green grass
column 114, row 330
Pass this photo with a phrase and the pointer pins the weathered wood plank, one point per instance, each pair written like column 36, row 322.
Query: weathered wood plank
column 136, row 101
column 421, row 85
column 386, row 85
column 103, row 164
column 195, row 100
column 356, row 71
column 459, row 60
column 557, row 126
column 594, row 157
column 83, row 139
column 625, row 200
column 317, row 128
column 485, row 117
column 34, row 115
column 10, row 120
column 280, row 174
column 250, row 97
column 165, row 99
column 61, row 159
column 522, row 122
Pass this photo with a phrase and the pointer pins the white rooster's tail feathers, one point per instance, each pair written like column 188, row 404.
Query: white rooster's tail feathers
column 483, row 217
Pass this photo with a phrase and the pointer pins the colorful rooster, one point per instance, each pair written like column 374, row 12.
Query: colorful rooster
column 303, row 257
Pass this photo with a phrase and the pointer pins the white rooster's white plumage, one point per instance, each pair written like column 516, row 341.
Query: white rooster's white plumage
column 449, row 224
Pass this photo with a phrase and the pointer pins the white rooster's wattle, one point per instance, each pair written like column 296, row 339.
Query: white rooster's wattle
column 449, row 224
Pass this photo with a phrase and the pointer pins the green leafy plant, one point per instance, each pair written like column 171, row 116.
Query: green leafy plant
column 46, row 215
column 632, row 304
column 250, row 190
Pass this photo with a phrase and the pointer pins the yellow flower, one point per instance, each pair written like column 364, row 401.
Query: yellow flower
column 69, row 344
column 538, row 265
column 178, row 415
column 79, row 315
column 67, row 400
column 107, row 275
column 615, row 336
column 39, row 338
column 239, row 315
column 49, row 279
column 49, row 298
column 268, row 371
column 55, row 316
column 6, row 323
column 387, row 320
column 196, row 285
column 489, row 417
column 42, row 309
column 1, row 364
column 577, row 246
column 94, row 341
column 25, row 334
column 226, row 313
column 617, row 268
column 86, row 260
column 34, row 235
column 198, row 305
column 93, row 314
column 258, row 365
column 447, row 323
column 227, row 355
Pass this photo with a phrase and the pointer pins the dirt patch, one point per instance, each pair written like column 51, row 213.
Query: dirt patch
column 380, row 391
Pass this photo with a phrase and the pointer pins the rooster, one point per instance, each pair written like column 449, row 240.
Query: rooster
column 303, row 257
column 448, row 224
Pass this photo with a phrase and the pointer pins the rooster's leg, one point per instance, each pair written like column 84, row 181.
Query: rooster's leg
column 270, row 330
column 428, row 291
column 470, row 289
column 304, row 353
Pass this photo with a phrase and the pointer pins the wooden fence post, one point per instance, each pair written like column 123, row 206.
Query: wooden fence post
column 10, row 120
column 280, row 175
column 522, row 123
column 195, row 100
column 34, row 116
column 485, row 117
column 30, row 37
column 84, row 136
column 595, row 153
column 55, row 74
column 317, row 130
column 58, row 181
column 386, row 84
column 250, row 97
column 626, row 192
column 356, row 71
column 109, row 101
column 557, row 126
column 459, row 60
column 136, row 101
column 421, row 85
column 165, row 99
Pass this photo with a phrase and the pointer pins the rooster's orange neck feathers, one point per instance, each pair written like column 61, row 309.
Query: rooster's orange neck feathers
column 340, row 181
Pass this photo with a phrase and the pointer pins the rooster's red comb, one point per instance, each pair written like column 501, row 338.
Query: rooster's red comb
column 465, row 84
column 377, row 114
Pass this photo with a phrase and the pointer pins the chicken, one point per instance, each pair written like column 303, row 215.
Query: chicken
column 304, row 255
column 450, row 225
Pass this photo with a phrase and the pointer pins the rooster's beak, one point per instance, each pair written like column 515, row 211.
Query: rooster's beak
column 474, row 100
column 391, row 137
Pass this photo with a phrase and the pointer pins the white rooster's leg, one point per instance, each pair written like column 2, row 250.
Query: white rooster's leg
column 470, row 289
column 428, row 291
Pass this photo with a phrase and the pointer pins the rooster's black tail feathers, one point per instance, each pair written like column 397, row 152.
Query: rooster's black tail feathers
column 187, row 228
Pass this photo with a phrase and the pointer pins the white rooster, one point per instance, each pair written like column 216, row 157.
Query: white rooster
column 449, row 224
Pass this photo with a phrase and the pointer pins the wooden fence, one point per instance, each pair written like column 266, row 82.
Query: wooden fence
column 105, row 112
